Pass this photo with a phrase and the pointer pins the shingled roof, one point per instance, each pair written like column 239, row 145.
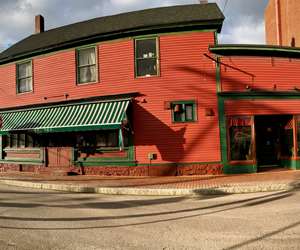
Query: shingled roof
column 182, row 17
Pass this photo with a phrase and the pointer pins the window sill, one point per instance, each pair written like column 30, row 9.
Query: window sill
column 86, row 83
column 22, row 161
column 104, row 149
column 21, row 149
column 111, row 149
column 24, row 93
column 147, row 76
column 178, row 123
column 112, row 163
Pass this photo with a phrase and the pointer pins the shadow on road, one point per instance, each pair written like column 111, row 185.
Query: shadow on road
column 238, row 246
column 177, row 214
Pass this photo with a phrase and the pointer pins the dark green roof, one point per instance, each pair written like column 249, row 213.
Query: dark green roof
column 255, row 50
column 182, row 17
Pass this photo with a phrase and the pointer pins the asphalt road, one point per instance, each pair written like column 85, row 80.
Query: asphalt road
column 35, row 219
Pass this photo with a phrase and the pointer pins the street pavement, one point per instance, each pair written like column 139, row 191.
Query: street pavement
column 42, row 219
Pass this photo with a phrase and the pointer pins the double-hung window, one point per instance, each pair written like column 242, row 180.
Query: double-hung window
column 183, row 111
column 24, row 77
column 86, row 65
column 146, row 57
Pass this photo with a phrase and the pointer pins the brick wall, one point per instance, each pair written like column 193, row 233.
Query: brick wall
column 289, row 22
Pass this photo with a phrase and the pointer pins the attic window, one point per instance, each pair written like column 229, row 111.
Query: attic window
column 146, row 57
column 24, row 77
column 86, row 65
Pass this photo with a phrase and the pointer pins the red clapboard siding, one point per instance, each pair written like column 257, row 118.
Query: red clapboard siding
column 262, row 107
column 266, row 71
column 185, row 74
column 7, row 84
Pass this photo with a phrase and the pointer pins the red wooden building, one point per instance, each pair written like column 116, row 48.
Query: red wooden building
column 147, row 93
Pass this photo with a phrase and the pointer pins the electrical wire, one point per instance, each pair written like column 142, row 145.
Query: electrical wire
column 225, row 5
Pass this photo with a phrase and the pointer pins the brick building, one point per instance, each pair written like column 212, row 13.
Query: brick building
column 282, row 22
column 148, row 93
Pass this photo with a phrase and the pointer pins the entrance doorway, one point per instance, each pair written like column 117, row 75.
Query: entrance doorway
column 274, row 139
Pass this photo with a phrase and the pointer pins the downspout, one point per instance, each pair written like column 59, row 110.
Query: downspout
column 278, row 22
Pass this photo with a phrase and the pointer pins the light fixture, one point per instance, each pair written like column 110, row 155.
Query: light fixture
column 177, row 108
column 209, row 112
column 248, row 87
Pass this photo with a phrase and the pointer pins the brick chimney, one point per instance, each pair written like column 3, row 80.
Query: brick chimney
column 203, row 1
column 39, row 24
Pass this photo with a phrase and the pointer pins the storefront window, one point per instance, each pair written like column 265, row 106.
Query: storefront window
column 107, row 138
column 298, row 135
column 101, row 140
column 240, row 134
column 30, row 141
column 19, row 141
column 287, row 145
column 14, row 140
column 112, row 139
column 93, row 140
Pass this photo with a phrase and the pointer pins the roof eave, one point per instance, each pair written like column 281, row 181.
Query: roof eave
column 211, row 24
column 254, row 50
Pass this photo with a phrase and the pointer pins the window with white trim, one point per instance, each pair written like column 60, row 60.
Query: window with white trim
column 86, row 65
column 24, row 77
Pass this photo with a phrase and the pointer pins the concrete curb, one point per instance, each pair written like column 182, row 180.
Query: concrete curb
column 237, row 189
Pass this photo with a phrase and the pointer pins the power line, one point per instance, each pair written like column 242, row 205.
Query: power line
column 225, row 5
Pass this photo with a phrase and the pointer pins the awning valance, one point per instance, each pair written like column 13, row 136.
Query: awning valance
column 63, row 118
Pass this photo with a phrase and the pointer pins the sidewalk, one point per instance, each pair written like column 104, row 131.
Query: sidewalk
column 186, row 185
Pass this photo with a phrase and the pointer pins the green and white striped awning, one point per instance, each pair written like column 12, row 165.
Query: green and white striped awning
column 63, row 118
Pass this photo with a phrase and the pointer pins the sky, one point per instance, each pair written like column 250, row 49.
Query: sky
column 244, row 21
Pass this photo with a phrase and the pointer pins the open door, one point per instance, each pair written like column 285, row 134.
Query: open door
column 274, row 139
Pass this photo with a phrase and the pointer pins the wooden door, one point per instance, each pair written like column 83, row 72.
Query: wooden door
column 59, row 156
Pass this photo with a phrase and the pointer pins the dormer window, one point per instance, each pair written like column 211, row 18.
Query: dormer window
column 146, row 57
column 24, row 77
column 86, row 65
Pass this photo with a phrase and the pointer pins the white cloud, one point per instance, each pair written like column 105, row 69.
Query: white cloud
column 124, row 2
column 245, row 32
